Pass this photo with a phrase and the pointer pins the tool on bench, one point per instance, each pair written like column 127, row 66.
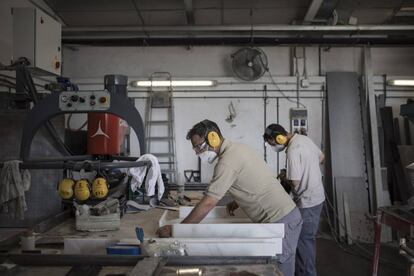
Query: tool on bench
column 106, row 215
column 128, row 248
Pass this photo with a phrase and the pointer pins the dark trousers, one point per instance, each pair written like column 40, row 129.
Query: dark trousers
column 306, row 250
column 293, row 224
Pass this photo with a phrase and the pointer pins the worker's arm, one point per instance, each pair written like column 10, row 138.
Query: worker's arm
column 294, row 184
column 196, row 215
column 321, row 158
column 201, row 210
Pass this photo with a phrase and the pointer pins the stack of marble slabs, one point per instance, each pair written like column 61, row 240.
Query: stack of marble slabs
column 222, row 235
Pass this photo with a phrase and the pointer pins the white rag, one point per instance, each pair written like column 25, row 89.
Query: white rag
column 154, row 176
column 13, row 184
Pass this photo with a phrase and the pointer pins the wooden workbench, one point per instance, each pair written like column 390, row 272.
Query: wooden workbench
column 51, row 242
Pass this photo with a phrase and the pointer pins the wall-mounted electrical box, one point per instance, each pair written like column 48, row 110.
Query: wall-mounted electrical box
column 37, row 36
column 299, row 121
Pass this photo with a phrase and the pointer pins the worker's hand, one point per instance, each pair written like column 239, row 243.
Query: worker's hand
column 282, row 175
column 165, row 231
column 231, row 207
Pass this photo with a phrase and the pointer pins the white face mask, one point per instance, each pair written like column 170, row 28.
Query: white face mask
column 278, row 148
column 207, row 156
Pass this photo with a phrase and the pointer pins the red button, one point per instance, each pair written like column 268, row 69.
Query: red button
column 102, row 99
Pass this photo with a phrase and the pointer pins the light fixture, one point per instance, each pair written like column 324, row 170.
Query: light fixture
column 174, row 83
column 401, row 82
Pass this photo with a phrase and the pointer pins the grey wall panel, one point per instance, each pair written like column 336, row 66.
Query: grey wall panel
column 346, row 156
column 345, row 124
column 42, row 199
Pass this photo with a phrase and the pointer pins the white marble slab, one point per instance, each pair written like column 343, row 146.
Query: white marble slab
column 215, row 213
column 220, row 234
column 229, row 230
column 228, row 247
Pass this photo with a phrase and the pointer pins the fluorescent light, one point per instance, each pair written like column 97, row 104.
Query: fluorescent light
column 401, row 82
column 173, row 83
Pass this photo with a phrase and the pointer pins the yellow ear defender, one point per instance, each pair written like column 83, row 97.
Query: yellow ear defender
column 281, row 139
column 100, row 188
column 213, row 139
column 82, row 190
column 66, row 188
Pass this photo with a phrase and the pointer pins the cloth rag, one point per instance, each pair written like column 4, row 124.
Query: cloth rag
column 13, row 185
column 154, row 176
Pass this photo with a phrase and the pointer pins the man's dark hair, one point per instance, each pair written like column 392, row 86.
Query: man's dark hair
column 202, row 128
column 273, row 130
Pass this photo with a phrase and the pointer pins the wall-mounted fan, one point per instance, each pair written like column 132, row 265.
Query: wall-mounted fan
column 249, row 63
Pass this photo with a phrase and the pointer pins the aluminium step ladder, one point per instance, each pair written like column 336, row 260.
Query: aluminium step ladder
column 159, row 126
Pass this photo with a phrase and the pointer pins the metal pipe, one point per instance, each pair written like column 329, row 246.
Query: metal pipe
column 136, row 39
column 70, row 260
column 245, row 28
column 264, row 117
column 223, row 260
column 77, row 166
column 125, row 158
column 277, row 120
column 62, row 158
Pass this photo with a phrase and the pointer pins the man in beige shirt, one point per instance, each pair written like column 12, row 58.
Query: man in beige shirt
column 242, row 173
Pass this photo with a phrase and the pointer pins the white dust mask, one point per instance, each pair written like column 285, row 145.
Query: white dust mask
column 208, row 156
column 278, row 148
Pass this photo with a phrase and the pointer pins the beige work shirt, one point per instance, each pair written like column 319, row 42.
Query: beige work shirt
column 302, row 164
column 246, row 176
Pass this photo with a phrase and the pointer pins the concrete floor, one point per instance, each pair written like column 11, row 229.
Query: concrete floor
column 332, row 260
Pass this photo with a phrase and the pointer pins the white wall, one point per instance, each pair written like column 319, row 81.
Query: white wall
column 88, row 65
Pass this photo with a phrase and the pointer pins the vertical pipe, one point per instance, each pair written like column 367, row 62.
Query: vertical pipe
column 384, row 79
column 277, row 120
column 264, row 118
column 319, row 61
column 297, row 90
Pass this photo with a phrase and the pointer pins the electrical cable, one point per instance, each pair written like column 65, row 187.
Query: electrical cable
column 275, row 84
column 281, row 92
column 69, row 126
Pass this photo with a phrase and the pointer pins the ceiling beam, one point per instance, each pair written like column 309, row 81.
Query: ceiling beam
column 312, row 11
column 189, row 11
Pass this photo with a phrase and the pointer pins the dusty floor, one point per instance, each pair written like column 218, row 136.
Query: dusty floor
column 332, row 260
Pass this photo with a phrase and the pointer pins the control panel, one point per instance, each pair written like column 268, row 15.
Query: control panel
column 84, row 101
column 299, row 120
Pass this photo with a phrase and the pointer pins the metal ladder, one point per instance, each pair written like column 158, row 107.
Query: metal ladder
column 159, row 126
